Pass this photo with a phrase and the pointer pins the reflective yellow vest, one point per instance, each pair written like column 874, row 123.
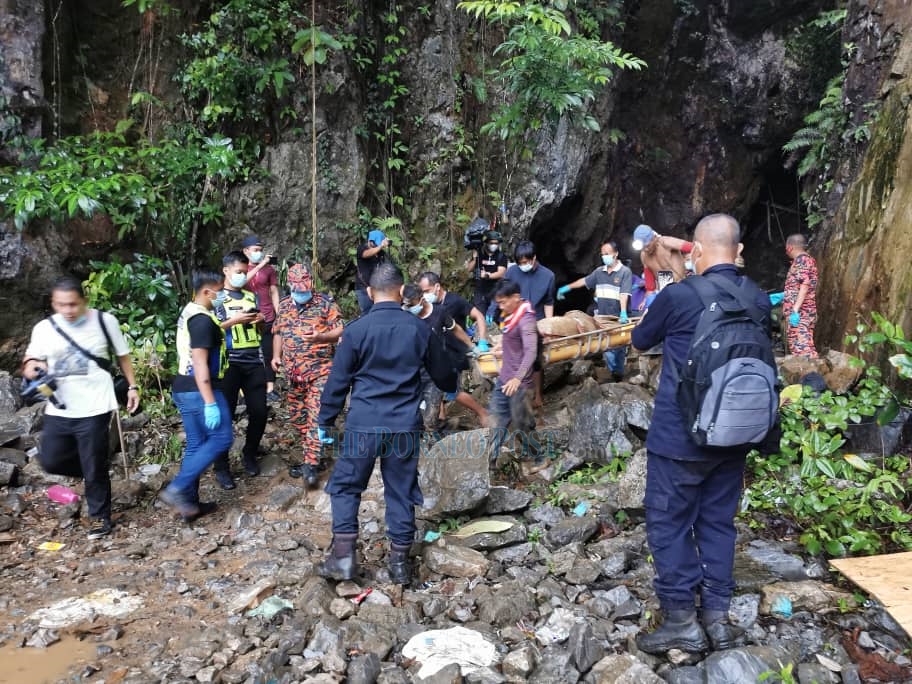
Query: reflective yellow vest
column 184, row 353
column 245, row 335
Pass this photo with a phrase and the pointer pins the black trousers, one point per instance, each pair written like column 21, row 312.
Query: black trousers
column 252, row 379
column 266, row 348
column 78, row 447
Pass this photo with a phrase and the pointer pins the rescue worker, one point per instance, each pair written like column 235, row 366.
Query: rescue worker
column 379, row 359
column 799, row 303
column 369, row 255
column 197, row 392
column 517, row 349
column 491, row 269
column 612, row 283
column 263, row 281
column 459, row 309
column 240, row 317
column 308, row 325
column 692, row 492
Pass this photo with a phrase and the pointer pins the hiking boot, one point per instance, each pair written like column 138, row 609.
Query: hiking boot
column 180, row 502
column 223, row 477
column 679, row 630
column 251, row 467
column 400, row 569
column 100, row 527
column 341, row 563
column 721, row 632
column 306, row 470
column 205, row 508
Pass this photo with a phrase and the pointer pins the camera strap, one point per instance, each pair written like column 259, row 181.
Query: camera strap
column 104, row 364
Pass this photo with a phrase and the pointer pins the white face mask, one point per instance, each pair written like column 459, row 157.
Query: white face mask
column 493, row 248
column 525, row 268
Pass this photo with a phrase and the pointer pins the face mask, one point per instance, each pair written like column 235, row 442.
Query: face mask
column 607, row 259
column 430, row 297
column 414, row 310
column 238, row 279
column 525, row 268
column 688, row 265
column 220, row 298
column 493, row 248
column 302, row 297
column 76, row 323
column 256, row 257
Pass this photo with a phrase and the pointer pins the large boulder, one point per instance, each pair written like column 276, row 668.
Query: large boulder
column 632, row 484
column 453, row 474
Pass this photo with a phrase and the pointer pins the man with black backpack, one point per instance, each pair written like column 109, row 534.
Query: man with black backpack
column 717, row 399
column 74, row 346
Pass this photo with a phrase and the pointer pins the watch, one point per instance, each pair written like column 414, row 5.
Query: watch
column 133, row 387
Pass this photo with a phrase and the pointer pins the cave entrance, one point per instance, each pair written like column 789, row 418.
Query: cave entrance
column 776, row 214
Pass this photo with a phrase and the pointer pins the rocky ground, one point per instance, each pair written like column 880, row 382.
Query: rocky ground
column 553, row 587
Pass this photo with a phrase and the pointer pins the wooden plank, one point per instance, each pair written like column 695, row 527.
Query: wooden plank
column 888, row 578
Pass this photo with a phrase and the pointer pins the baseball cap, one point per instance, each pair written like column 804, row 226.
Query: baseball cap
column 376, row 236
column 642, row 236
column 251, row 241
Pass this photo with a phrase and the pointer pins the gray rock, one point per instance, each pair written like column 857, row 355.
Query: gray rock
column 571, row 530
column 504, row 606
column 585, row 650
column 6, row 523
column 555, row 666
column 688, row 674
column 455, row 561
column 632, row 483
column 484, row 675
column 369, row 637
column 583, row 571
column 518, row 665
column 744, row 664
column 546, row 514
column 10, row 401
column 342, row 608
column 511, row 555
column 744, row 610
column 598, row 431
column 326, row 645
column 16, row 456
column 449, row 674
column 494, row 540
column 282, row 496
column 506, row 500
column 817, row 673
column 207, row 675
column 622, row 669
column 776, row 561
column 393, row 674
column 454, row 474
column 387, row 616
column 127, row 493
column 42, row 638
column 636, row 403
column 614, row 565
column 315, row 597
column 363, row 669
column 9, row 474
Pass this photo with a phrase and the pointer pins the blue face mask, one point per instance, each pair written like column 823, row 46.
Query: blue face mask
column 255, row 257
column 238, row 279
column 302, row 297
column 220, row 299
column 414, row 310
column 608, row 259
column 430, row 297
column 76, row 323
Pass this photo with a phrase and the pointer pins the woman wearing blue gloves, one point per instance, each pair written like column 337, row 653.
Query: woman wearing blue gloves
column 196, row 391
column 612, row 283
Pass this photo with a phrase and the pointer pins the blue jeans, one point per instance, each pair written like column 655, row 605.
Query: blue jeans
column 364, row 302
column 203, row 445
column 616, row 359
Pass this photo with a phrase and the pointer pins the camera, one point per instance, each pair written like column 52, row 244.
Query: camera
column 42, row 387
column 474, row 234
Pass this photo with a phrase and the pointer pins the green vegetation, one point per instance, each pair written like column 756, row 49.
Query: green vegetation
column 840, row 503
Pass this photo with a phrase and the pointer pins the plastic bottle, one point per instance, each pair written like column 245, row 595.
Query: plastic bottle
column 62, row 495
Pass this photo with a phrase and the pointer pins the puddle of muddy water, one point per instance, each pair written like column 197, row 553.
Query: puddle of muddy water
column 45, row 665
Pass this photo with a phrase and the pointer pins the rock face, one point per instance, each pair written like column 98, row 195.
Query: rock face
column 453, row 474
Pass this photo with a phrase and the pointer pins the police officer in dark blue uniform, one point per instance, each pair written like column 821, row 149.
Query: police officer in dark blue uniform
column 379, row 357
column 692, row 493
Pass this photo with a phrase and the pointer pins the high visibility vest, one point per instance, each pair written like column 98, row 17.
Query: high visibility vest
column 184, row 352
column 244, row 335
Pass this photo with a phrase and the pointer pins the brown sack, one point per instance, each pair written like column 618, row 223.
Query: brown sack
column 558, row 326
column 584, row 322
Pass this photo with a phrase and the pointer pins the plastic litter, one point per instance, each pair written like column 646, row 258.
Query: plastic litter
column 781, row 606
column 71, row 611
column 437, row 648
column 51, row 546
column 363, row 595
column 580, row 509
column 481, row 527
column 557, row 628
column 150, row 469
column 62, row 495
column 269, row 607
column 431, row 536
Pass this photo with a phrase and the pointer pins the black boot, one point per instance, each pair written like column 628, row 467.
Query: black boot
column 400, row 569
column 679, row 630
column 341, row 562
column 721, row 632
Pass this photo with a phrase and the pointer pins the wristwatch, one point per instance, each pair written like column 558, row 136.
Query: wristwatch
column 133, row 387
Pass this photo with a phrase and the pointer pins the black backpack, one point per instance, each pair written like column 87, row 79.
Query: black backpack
column 727, row 389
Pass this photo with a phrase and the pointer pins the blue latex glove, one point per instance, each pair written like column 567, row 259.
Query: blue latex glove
column 482, row 346
column 776, row 298
column 623, row 318
column 489, row 320
column 212, row 416
column 650, row 299
column 324, row 439
column 794, row 319
column 636, row 286
column 562, row 292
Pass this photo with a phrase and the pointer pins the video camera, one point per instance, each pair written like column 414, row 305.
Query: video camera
column 42, row 387
column 474, row 234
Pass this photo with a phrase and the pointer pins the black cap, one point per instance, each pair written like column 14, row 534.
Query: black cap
column 251, row 241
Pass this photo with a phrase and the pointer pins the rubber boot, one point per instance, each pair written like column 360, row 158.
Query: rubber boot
column 341, row 563
column 679, row 630
column 399, row 567
column 721, row 632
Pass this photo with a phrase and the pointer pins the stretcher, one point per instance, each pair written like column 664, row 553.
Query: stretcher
column 611, row 335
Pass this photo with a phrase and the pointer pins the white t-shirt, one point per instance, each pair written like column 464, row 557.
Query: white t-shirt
column 84, row 388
